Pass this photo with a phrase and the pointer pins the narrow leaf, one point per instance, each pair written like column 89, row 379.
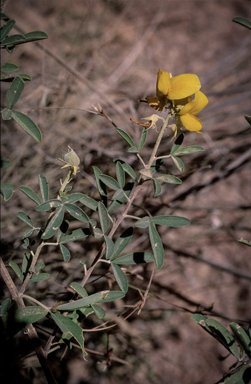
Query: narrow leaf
column 6, row 191
column 112, row 296
column 48, row 205
column 178, row 163
column 15, row 91
column 5, row 306
column 9, row 67
column 79, row 289
column 65, row 253
column 109, row 181
column 168, row 179
column 157, row 188
column 126, row 137
column 77, row 212
column 142, row 139
column 27, row 124
column 128, row 169
column 53, row 224
column 120, row 277
column 143, row 223
column 83, row 303
column 29, row 315
column 74, row 197
column 103, row 217
column 127, row 190
column 25, row 218
column 146, row 172
column 109, row 247
column 6, row 28
column 170, row 221
column 99, row 312
column 135, row 258
column 100, row 185
column 120, row 173
column 69, row 327
column 77, row 234
column 31, row 194
column 244, row 22
column 157, row 246
column 17, row 270
column 5, row 163
column 242, row 337
column 44, row 187
column 122, row 242
column 89, row 202
column 40, row 277
column 189, row 150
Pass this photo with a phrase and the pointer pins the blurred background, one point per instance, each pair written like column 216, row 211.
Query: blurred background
column 108, row 52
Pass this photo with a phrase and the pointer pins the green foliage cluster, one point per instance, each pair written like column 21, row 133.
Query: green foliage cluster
column 115, row 194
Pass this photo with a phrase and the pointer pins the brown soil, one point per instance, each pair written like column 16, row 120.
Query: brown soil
column 110, row 53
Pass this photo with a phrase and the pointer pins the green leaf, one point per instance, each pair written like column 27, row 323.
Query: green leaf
column 9, row 67
column 9, row 79
column 135, row 258
column 223, row 336
column 48, row 205
column 112, row 296
column 177, row 143
column 5, row 306
column 53, row 224
column 99, row 312
column 83, row 303
column 109, row 247
column 26, row 263
column 248, row 118
column 77, row 234
column 44, row 187
column 109, row 181
column 128, row 169
column 2, row 15
column 7, row 114
column 26, row 38
column 157, row 246
column 38, row 267
column 126, row 137
column 146, row 172
column 69, row 327
column 6, row 28
column 77, row 212
column 30, row 315
column 35, row 35
column 122, row 242
column 120, row 173
column 31, row 194
column 5, row 163
column 22, row 216
column 170, row 221
column 133, row 150
column 157, row 188
column 178, row 163
column 79, row 289
column 40, row 277
column 103, row 217
column 100, row 185
column 240, row 377
column 118, row 195
column 6, row 191
column 74, row 197
column 89, row 202
column 156, row 165
column 27, row 233
column 65, row 253
column 242, row 337
column 142, row 139
column 168, row 179
column 244, row 22
column 189, row 150
column 120, row 277
column 17, row 270
column 143, row 223
column 127, row 190
column 14, row 92
column 27, row 124
column 13, row 40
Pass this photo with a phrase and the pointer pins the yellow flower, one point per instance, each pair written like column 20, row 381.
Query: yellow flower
column 187, row 115
column 173, row 88
column 72, row 160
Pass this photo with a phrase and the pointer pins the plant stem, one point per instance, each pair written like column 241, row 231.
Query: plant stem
column 67, row 180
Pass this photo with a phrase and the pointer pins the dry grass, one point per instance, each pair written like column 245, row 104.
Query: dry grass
column 108, row 52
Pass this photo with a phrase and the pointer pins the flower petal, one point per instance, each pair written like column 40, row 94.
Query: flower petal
column 163, row 83
column 190, row 122
column 195, row 106
column 183, row 86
